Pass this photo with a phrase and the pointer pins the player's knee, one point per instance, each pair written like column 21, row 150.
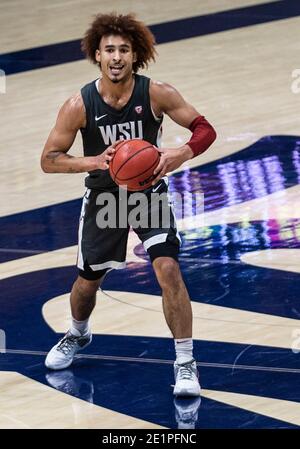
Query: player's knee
column 86, row 287
column 167, row 271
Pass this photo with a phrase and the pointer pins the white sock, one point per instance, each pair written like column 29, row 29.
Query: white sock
column 183, row 349
column 79, row 328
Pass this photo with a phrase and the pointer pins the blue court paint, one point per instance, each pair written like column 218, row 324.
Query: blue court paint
column 39, row 230
column 142, row 390
column 64, row 52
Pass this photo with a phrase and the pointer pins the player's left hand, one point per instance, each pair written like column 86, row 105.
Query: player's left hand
column 170, row 159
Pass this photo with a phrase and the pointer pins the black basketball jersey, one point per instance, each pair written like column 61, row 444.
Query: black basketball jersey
column 105, row 125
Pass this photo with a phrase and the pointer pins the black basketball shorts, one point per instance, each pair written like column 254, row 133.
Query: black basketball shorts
column 105, row 221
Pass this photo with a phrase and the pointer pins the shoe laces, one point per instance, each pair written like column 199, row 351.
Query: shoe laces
column 67, row 344
column 186, row 372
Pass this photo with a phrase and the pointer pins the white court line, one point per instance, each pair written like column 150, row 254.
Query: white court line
column 162, row 361
column 21, row 251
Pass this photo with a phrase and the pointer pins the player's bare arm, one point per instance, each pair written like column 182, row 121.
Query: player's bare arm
column 166, row 99
column 55, row 157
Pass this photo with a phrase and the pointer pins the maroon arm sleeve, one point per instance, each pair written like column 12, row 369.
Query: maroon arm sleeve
column 203, row 135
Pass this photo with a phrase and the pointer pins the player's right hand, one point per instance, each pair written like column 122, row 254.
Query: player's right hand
column 104, row 158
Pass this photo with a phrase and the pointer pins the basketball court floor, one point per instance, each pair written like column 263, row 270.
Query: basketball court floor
column 237, row 62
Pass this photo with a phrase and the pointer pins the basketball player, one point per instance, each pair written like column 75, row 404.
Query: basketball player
column 119, row 105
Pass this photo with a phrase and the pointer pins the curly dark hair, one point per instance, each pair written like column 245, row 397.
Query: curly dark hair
column 141, row 38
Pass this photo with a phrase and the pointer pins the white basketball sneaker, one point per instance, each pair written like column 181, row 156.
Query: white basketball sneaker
column 62, row 354
column 186, row 379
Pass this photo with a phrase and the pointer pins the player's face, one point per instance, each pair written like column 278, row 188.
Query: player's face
column 116, row 57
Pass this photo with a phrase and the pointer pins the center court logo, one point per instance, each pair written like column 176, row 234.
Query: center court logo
column 147, row 210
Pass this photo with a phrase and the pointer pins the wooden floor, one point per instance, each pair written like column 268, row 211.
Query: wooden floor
column 241, row 262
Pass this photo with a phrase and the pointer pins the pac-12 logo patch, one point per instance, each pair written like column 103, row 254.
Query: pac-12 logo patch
column 139, row 109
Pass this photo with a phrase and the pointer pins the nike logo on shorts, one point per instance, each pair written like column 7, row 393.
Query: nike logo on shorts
column 157, row 187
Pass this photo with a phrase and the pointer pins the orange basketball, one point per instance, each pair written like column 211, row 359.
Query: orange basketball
column 133, row 164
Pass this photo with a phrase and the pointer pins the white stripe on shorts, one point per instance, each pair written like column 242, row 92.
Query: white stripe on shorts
column 159, row 238
column 81, row 220
column 110, row 264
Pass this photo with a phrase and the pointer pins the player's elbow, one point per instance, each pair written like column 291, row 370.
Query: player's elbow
column 209, row 135
column 45, row 166
column 49, row 160
column 212, row 135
